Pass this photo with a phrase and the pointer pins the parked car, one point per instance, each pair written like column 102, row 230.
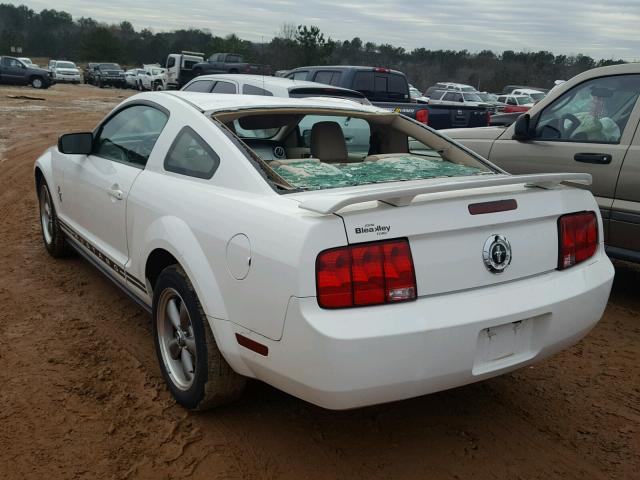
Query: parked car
column 229, row 63
column 537, row 95
column 88, row 73
column 510, row 88
column 152, row 77
column 109, row 75
column 453, row 98
column 588, row 124
column 131, row 77
column 179, row 68
column 416, row 95
column 269, row 86
column 63, row 71
column 516, row 103
column 27, row 61
column 15, row 72
column 249, row 271
column 389, row 89
column 456, row 87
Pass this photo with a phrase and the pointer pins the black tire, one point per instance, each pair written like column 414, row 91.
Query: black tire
column 37, row 82
column 213, row 382
column 140, row 87
column 100, row 84
column 54, row 240
column 158, row 87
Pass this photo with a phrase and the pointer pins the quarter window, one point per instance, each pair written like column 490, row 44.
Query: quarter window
column 130, row 135
column 251, row 90
column 594, row 111
column 224, row 87
column 203, row 86
column 190, row 155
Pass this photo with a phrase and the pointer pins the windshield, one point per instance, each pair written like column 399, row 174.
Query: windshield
column 467, row 89
column 110, row 66
column 157, row 71
column 65, row 65
column 317, row 151
column 471, row 97
column 537, row 96
column 524, row 100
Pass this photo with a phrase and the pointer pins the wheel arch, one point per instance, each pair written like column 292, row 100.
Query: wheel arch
column 168, row 241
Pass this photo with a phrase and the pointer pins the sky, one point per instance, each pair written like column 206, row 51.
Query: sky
column 600, row 30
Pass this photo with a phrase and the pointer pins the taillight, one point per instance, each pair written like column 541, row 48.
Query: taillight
column 423, row 116
column 366, row 274
column 488, row 116
column 577, row 238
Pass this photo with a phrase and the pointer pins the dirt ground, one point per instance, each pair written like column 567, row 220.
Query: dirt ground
column 81, row 395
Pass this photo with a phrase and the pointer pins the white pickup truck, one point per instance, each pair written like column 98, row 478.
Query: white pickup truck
column 152, row 77
column 344, row 277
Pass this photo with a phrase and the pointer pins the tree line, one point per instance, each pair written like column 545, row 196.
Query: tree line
column 56, row 34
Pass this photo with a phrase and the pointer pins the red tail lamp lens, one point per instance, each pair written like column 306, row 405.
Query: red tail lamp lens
column 423, row 116
column 578, row 238
column 366, row 274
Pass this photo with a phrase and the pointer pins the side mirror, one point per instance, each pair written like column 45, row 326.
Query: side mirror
column 76, row 143
column 521, row 129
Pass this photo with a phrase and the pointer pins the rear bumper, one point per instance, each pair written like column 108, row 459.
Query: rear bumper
column 342, row 359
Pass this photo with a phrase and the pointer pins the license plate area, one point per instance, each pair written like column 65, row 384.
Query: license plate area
column 503, row 346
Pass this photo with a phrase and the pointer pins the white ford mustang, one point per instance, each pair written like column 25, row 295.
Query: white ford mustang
column 342, row 253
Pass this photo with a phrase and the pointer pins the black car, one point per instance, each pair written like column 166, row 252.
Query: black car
column 389, row 89
column 15, row 72
column 109, row 74
column 88, row 73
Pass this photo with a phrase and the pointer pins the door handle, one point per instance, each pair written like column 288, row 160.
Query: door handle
column 597, row 158
column 116, row 193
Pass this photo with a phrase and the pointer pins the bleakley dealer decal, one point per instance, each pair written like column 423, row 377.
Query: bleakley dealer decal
column 373, row 228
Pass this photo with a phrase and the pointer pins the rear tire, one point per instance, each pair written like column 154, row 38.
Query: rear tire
column 196, row 373
column 52, row 234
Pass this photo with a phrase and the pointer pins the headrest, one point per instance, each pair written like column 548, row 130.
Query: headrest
column 327, row 142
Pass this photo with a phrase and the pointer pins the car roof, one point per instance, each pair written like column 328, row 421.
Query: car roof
column 343, row 67
column 265, row 80
column 217, row 102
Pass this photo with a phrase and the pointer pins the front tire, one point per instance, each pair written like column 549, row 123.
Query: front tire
column 52, row 235
column 37, row 82
column 197, row 375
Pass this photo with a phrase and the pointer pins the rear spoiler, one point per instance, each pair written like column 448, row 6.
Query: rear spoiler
column 401, row 195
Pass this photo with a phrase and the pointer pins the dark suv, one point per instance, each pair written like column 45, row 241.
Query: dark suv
column 109, row 74
column 15, row 72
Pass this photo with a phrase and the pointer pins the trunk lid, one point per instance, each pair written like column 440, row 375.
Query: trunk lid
column 447, row 241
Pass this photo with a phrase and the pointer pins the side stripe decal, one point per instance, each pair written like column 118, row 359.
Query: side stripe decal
column 102, row 257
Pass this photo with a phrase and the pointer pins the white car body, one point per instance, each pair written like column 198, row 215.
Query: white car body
column 152, row 77
column 269, row 86
column 28, row 62
column 251, row 253
column 537, row 95
column 65, row 71
column 131, row 77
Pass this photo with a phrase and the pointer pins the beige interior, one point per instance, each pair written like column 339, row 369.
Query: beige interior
column 328, row 143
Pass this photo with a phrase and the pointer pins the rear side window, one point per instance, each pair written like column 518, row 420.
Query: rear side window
column 302, row 75
column 233, row 58
column 251, row 90
column 380, row 85
column 329, row 77
column 224, row 87
column 190, row 155
column 199, row 86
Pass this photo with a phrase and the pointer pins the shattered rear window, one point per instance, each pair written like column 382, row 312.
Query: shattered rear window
column 311, row 174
